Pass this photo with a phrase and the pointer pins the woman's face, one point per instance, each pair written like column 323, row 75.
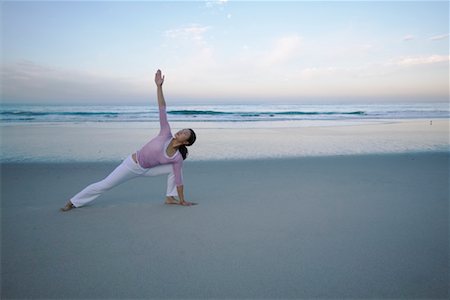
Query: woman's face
column 183, row 135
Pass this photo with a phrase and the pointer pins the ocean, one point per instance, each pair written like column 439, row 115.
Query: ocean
column 250, row 113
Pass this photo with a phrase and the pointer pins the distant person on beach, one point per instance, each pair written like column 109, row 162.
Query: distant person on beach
column 164, row 154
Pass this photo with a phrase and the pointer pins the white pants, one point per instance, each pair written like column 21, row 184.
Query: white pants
column 127, row 170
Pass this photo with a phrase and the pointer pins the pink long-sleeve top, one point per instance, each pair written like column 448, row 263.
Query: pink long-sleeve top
column 154, row 152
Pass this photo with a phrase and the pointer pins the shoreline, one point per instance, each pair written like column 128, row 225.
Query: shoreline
column 240, row 159
column 65, row 144
column 226, row 124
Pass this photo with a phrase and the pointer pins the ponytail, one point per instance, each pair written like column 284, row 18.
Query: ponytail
column 183, row 149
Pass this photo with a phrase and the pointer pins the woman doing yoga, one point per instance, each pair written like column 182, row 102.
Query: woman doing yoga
column 164, row 154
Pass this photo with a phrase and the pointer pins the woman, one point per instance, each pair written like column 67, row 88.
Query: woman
column 164, row 154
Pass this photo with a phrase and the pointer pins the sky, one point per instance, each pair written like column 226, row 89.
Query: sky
column 224, row 51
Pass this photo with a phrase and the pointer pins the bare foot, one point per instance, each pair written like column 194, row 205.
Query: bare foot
column 68, row 206
column 171, row 200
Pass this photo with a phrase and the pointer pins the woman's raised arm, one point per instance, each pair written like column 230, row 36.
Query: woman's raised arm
column 159, row 80
column 165, row 127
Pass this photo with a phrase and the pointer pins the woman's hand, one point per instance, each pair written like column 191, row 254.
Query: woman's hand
column 186, row 203
column 158, row 79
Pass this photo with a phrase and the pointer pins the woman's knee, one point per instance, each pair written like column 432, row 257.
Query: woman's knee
column 101, row 186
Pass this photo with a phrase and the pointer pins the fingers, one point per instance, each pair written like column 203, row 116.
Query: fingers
column 158, row 76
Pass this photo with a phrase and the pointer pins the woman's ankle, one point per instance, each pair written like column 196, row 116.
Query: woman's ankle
column 68, row 206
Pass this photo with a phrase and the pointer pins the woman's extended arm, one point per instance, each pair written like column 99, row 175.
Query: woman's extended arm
column 180, row 190
column 159, row 82
column 164, row 124
column 177, row 170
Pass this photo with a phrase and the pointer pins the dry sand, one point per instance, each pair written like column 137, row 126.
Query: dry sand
column 341, row 226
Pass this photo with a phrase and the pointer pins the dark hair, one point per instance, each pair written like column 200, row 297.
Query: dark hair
column 183, row 150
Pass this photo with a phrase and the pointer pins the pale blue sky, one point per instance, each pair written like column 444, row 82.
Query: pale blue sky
column 225, row 51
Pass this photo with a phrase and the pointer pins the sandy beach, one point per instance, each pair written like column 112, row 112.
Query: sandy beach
column 354, row 226
column 317, row 139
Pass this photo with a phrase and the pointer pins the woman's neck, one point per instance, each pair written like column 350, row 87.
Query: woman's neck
column 174, row 144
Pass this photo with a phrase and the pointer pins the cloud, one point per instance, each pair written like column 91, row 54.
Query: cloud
column 421, row 60
column 192, row 32
column 283, row 50
column 217, row 8
column 368, row 70
column 439, row 37
column 408, row 37
column 314, row 72
column 28, row 80
column 214, row 3
column 339, row 73
column 192, row 48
